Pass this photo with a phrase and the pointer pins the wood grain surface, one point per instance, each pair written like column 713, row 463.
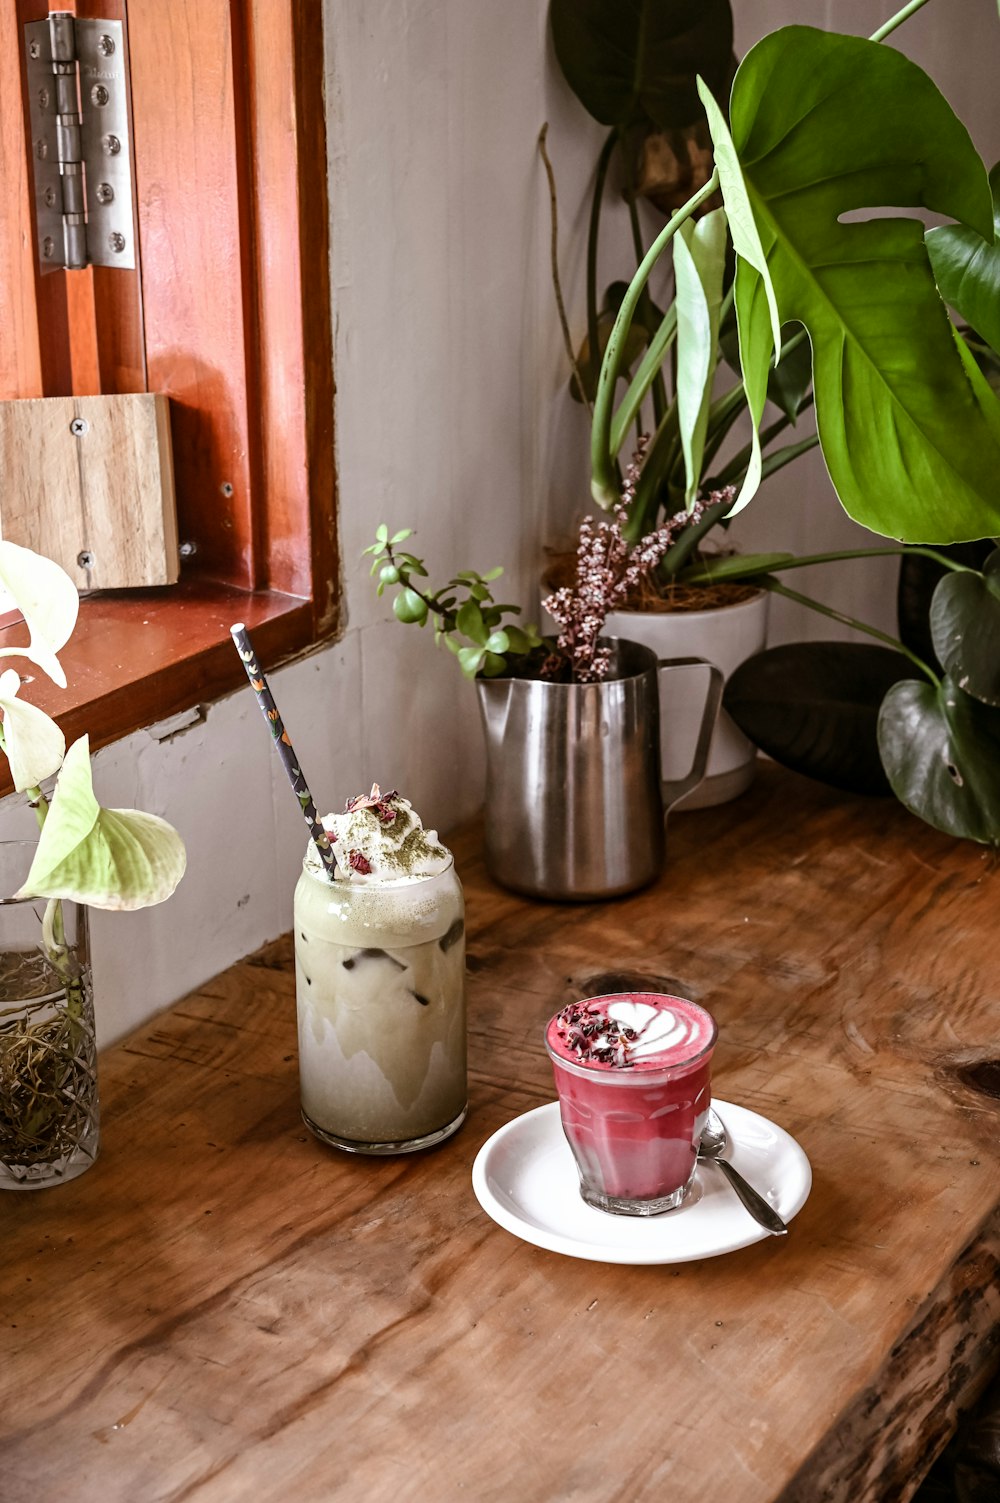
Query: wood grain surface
column 107, row 494
column 223, row 1309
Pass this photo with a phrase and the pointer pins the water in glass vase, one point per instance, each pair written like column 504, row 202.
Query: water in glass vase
column 49, row 1118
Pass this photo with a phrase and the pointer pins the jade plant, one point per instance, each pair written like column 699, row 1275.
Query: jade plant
column 465, row 616
column 609, row 569
column 104, row 858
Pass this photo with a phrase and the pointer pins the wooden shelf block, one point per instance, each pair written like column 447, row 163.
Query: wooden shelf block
column 92, row 478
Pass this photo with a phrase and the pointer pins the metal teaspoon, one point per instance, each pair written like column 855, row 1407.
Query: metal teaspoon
column 714, row 1140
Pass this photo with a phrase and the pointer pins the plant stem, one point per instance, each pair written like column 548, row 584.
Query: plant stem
column 593, row 231
column 898, row 551
column 602, row 467
column 896, row 20
column 556, row 283
column 871, row 631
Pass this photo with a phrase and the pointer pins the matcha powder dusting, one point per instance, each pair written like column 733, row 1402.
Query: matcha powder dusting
column 380, row 837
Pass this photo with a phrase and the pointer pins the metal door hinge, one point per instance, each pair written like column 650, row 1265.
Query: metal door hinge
column 77, row 75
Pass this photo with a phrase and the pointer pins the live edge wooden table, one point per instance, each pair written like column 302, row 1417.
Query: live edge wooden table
column 224, row 1309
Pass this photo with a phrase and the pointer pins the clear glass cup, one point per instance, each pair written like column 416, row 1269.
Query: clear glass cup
column 380, row 989
column 49, row 1114
column 634, row 1131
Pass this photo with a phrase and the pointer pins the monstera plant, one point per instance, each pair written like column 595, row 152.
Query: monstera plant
column 822, row 128
column 635, row 67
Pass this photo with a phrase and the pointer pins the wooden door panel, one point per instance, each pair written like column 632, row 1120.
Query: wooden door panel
column 188, row 145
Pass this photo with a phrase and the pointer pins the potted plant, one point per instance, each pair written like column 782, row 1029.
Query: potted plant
column 86, row 857
column 575, row 804
column 635, row 69
column 917, row 715
column 821, row 125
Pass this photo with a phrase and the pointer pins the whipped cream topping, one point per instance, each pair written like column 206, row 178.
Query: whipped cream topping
column 622, row 1032
column 381, row 838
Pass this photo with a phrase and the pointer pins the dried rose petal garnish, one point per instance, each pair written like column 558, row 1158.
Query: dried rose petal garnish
column 359, row 863
column 381, row 803
column 592, row 1035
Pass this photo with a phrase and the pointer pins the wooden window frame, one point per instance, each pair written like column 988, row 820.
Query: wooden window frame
column 141, row 656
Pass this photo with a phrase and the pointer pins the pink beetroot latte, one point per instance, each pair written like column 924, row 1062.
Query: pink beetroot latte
column 633, row 1076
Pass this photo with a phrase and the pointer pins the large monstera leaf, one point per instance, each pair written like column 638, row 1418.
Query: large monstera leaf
column 823, row 125
column 635, row 62
column 941, row 751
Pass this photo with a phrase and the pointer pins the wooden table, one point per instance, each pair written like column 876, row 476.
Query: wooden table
column 223, row 1309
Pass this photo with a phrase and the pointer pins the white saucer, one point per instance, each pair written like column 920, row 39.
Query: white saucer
column 525, row 1177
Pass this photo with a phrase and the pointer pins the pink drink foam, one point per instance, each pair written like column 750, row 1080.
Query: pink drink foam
column 633, row 1076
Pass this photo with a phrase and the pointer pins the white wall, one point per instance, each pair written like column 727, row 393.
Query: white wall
column 452, row 416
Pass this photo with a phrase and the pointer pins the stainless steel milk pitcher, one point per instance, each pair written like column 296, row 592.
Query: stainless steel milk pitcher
column 575, row 803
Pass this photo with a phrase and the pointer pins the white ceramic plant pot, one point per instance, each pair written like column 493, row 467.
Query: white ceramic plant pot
column 726, row 636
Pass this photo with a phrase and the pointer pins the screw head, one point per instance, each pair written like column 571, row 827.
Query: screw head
column 226, row 488
column 78, row 427
column 110, row 145
column 43, row 98
column 99, row 94
column 48, row 247
column 86, row 559
column 41, row 150
column 105, row 45
column 188, row 550
column 34, row 50
column 105, row 193
column 50, row 197
column 116, row 242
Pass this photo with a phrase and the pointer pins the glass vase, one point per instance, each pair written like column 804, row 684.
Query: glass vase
column 49, row 1123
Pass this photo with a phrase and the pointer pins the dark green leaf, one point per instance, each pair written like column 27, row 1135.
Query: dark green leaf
column 632, row 61
column 918, row 579
column 965, row 626
column 941, row 750
column 967, row 270
column 813, row 706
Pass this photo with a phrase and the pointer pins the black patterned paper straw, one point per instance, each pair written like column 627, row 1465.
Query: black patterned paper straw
column 282, row 745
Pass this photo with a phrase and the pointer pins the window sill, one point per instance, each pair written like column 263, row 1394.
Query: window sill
column 140, row 656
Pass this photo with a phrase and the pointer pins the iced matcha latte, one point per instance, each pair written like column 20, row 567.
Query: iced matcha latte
column 380, row 983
